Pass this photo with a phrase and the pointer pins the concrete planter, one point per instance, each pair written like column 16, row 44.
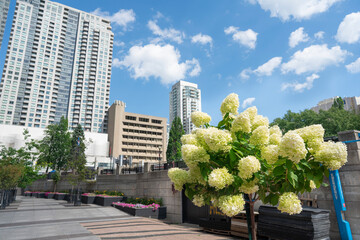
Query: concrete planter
column 159, row 213
column 107, row 201
column 88, row 199
column 59, row 196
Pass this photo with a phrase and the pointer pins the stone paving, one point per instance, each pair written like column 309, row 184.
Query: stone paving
column 47, row 219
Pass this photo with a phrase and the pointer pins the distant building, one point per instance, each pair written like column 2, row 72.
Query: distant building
column 350, row 104
column 139, row 137
column 58, row 63
column 4, row 9
column 97, row 145
column 185, row 98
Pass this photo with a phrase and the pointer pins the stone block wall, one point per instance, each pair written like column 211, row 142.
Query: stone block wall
column 151, row 184
column 350, row 181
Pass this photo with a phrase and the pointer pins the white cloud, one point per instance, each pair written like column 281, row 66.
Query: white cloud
column 314, row 59
column 119, row 44
column 246, row 38
column 267, row 68
column 158, row 61
column 354, row 67
column 297, row 37
column 264, row 70
column 349, row 30
column 248, row 102
column 300, row 87
column 116, row 63
column 167, row 33
column 319, row 35
column 122, row 18
column 245, row 74
column 202, row 39
column 296, row 9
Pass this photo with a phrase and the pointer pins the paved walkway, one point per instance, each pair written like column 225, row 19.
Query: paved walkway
column 48, row 219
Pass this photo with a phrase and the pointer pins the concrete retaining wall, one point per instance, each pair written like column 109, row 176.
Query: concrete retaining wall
column 151, row 184
column 350, row 181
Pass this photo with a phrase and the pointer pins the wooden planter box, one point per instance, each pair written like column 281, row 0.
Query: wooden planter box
column 49, row 196
column 88, row 199
column 160, row 213
column 310, row 224
column 40, row 195
column 59, row 196
column 106, row 201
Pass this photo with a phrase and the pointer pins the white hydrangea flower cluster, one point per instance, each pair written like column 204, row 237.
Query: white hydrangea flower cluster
column 241, row 123
column 332, row 155
column 313, row 136
column 189, row 139
column 270, row 153
column 179, row 177
column 248, row 166
column 259, row 120
column 217, row 140
column 200, row 118
column 199, row 134
column 260, row 136
column 231, row 205
column 252, row 112
column 220, row 178
column 195, row 176
column 275, row 135
column 312, row 184
column 192, row 154
column 292, row 146
column 230, row 104
column 198, row 200
column 289, row 203
column 249, row 187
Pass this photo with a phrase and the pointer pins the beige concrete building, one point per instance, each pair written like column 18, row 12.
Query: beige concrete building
column 141, row 137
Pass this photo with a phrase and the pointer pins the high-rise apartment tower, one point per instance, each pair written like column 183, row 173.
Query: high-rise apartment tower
column 4, row 8
column 185, row 98
column 58, row 63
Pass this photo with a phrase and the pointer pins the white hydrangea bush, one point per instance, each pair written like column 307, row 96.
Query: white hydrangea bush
column 244, row 155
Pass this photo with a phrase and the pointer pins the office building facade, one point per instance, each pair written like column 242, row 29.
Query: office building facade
column 350, row 104
column 185, row 98
column 139, row 137
column 4, row 9
column 58, row 63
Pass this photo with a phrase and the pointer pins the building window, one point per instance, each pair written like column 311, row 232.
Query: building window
column 130, row 118
column 143, row 119
column 156, row 121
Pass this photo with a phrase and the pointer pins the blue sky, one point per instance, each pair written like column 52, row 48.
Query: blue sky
column 276, row 55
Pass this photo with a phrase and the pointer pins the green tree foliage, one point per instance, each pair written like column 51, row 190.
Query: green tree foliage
column 22, row 159
column 55, row 147
column 335, row 120
column 173, row 152
column 77, row 158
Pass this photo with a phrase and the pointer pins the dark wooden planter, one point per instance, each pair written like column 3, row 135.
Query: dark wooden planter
column 160, row 213
column 40, row 195
column 59, row 196
column 27, row 194
column 310, row 224
column 50, row 195
column 106, row 201
column 88, row 199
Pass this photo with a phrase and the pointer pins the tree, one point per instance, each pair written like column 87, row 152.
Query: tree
column 335, row 120
column 173, row 152
column 55, row 147
column 23, row 158
column 77, row 158
column 243, row 156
